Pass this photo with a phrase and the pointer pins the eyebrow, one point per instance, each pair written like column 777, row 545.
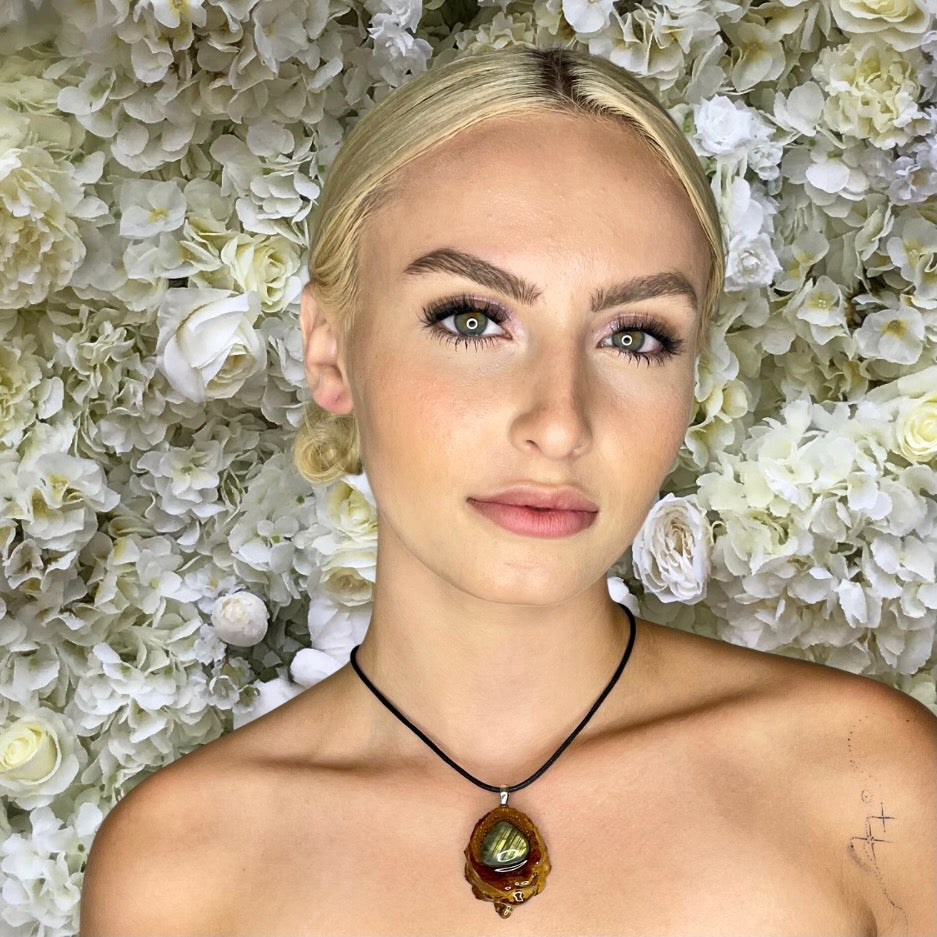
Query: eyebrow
column 648, row 286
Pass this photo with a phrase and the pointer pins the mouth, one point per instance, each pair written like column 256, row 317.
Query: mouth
column 535, row 520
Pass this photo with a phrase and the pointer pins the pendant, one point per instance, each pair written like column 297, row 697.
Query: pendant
column 506, row 858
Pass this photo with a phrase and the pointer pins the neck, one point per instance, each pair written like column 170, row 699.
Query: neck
column 497, row 687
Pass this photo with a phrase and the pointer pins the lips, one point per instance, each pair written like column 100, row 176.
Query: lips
column 549, row 499
column 533, row 510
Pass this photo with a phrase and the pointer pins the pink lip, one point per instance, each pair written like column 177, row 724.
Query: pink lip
column 522, row 519
column 534, row 496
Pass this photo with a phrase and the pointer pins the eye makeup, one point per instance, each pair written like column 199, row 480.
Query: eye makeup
column 474, row 312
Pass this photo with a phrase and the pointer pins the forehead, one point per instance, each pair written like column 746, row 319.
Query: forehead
column 586, row 192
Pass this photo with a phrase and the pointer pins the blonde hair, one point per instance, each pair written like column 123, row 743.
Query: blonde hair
column 429, row 109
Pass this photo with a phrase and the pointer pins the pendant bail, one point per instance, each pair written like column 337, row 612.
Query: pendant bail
column 504, row 796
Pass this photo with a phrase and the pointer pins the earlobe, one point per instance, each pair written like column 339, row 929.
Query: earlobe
column 321, row 358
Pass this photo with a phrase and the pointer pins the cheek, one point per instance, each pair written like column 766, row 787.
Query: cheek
column 414, row 417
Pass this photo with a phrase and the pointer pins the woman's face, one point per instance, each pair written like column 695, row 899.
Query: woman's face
column 556, row 382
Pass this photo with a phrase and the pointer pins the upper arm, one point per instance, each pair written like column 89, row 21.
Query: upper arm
column 146, row 873
column 889, row 810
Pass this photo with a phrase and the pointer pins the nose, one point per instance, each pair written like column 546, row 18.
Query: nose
column 552, row 415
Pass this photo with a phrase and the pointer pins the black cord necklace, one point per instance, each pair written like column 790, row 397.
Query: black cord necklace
column 506, row 858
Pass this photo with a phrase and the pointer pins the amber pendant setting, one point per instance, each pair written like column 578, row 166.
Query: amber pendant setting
column 506, row 858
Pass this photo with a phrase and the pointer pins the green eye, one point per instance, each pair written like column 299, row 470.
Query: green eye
column 630, row 339
column 470, row 323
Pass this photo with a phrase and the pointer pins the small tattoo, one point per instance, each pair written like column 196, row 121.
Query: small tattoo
column 862, row 848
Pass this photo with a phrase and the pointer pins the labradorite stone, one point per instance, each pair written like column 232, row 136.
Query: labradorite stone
column 505, row 848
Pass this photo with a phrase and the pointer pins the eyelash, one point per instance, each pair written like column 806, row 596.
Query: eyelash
column 434, row 313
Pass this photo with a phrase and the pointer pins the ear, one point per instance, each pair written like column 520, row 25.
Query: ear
column 322, row 358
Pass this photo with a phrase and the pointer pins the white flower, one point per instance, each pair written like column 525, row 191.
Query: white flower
column 40, row 244
column 42, row 866
column 911, row 404
column 588, row 16
column 348, row 574
column 619, row 592
column 913, row 250
column 240, row 619
column 821, row 306
column 901, row 23
column 20, row 374
column 348, row 507
column 309, row 666
column 800, row 111
column 672, row 551
column 871, row 90
column 723, row 126
column 757, row 54
column 750, row 262
column 270, row 694
column 29, row 752
column 149, row 208
column 207, row 345
column 265, row 265
column 917, row 428
column 892, row 334
column 336, row 629
column 39, row 757
column 397, row 53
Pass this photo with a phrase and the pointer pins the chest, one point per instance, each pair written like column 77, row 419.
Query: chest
column 634, row 859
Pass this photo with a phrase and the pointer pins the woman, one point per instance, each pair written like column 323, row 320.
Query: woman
column 515, row 259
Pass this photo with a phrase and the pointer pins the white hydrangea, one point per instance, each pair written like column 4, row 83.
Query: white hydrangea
column 912, row 249
column 588, row 16
column 43, row 868
column 893, row 333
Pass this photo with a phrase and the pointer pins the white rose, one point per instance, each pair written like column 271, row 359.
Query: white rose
column 911, row 403
column 266, row 265
column 240, row 618
column 29, row 752
column 207, row 346
column 916, row 432
column 348, row 508
column 672, row 552
column 723, row 128
column 348, row 574
column 39, row 758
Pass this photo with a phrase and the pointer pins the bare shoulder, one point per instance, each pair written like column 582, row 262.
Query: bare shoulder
column 162, row 860
column 854, row 759
column 177, row 852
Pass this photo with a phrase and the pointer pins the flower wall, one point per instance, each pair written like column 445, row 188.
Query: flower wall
column 165, row 573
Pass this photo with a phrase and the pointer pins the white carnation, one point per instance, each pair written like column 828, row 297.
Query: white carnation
column 901, row 23
column 40, row 244
column 872, row 92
